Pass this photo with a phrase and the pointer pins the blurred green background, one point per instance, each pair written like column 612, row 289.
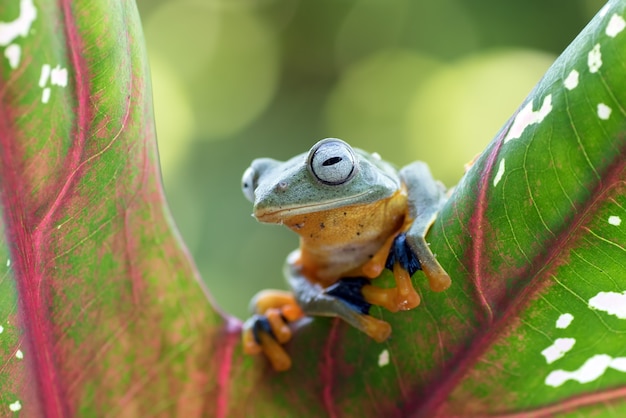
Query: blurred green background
column 239, row 79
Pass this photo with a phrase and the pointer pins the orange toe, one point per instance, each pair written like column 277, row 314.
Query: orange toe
column 250, row 346
column 277, row 356
column 407, row 298
column 279, row 328
column 376, row 329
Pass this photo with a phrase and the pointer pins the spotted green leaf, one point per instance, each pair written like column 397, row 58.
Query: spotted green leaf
column 533, row 237
column 101, row 312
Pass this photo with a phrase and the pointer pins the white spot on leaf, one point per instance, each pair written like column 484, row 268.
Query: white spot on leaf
column 558, row 349
column 615, row 26
column 13, row 53
column 15, row 406
column 20, row 26
column 45, row 73
column 8, row 262
column 564, row 320
column 615, row 220
column 610, row 302
column 571, row 82
column 619, row 364
column 604, row 112
column 58, row 76
column 588, row 372
column 19, row 354
column 594, row 59
column 499, row 174
column 1, row 329
column 383, row 358
column 45, row 95
column 527, row 117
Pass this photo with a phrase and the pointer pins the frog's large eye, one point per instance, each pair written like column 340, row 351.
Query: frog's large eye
column 332, row 161
column 247, row 184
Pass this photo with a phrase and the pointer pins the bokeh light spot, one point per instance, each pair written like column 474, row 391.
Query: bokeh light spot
column 368, row 106
column 241, row 77
column 457, row 112
column 184, row 33
column 226, row 55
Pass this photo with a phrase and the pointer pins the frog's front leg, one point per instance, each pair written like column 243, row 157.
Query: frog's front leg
column 408, row 251
column 426, row 197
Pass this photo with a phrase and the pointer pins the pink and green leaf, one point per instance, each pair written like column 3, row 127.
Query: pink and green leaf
column 99, row 298
column 102, row 312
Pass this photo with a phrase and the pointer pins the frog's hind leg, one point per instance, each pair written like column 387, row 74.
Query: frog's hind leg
column 426, row 197
column 268, row 328
column 344, row 299
column 351, row 292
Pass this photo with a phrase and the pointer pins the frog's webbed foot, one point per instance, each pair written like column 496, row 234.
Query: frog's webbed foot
column 267, row 330
column 404, row 263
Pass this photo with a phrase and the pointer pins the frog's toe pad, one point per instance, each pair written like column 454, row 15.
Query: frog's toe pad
column 350, row 291
column 402, row 254
column 377, row 329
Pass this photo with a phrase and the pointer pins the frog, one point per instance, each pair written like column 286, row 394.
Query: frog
column 356, row 215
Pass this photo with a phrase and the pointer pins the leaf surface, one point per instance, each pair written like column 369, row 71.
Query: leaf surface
column 100, row 310
column 534, row 239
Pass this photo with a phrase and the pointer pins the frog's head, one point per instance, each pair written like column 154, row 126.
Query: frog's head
column 332, row 175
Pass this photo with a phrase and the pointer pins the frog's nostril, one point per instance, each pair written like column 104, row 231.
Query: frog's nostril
column 282, row 186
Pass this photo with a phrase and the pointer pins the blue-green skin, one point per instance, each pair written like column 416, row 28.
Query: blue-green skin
column 375, row 180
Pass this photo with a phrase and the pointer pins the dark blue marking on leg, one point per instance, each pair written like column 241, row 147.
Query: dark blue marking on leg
column 261, row 323
column 349, row 291
column 401, row 253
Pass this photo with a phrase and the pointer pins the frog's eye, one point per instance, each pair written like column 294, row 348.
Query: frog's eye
column 247, row 184
column 332, row 161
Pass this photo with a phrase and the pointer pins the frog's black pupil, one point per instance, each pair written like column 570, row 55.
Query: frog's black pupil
column 331, row 161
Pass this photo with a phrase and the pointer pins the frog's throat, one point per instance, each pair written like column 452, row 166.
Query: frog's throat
column 278, row 215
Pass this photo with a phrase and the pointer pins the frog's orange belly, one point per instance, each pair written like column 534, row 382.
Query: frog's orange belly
column 349, row 242
column 326, row 268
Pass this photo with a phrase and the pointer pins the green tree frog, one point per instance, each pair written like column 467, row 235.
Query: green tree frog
column 356, row 215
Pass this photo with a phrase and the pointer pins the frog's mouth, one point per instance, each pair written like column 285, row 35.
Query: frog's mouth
column 284, row 213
